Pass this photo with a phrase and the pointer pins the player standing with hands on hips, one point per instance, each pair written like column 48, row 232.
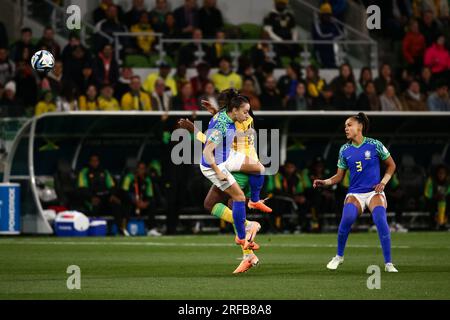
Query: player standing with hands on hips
column 362, row 155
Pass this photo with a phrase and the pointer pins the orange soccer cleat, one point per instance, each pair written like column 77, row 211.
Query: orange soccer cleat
column 243, row 242
column 259, row 205
column 247, row 263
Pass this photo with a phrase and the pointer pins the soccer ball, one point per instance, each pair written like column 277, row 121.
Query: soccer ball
column 42, row 61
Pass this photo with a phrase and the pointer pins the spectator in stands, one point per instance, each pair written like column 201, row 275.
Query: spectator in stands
column 325, row 100
column 73, row 65
column 158, row 15
column 287, row 84
column 262, row 54
column 101, row 12
column 413, row 47
column 88, row 101
column 437, row 194
column 346, row 100
column 384, row 78
column 195, row 52
column 7, row 66
column 180, row 76
column 339, row 8
column 270, row 97
column 24, row 48
column 164, row 73
column 290, row 190
column 325, row 29
column 4, row 41
column 144, row 43
column 300, row 101
column 209, row 94
column 10, row 105
column 97, row 190
column 170, row 31
column 134, row 15
column 138, row 202
column 427, row 82
column 248, row 90
column 226, row 78
column 248, row 73
column 210, row 19
column 74, row 42
column 437, row 58
column 412, row 99
column 219, row 48
column 87, row 78
column 186, row 18
column 123, row 84
column 106, row 100
column 46, row 104
column 109, row 25
column 345, row 75
column 368, row 99
column 439, row 100
column 161, row 98
column 280, row 25
column 105, row 67
column 48, row 41
column 365, row 76
column 429, row 27
column 67, row 101
column 26, row 82
column 314, row 83
column 186, row 100
column 198, row 82
column 55, row 78
column 389, row 100
column 136, row 99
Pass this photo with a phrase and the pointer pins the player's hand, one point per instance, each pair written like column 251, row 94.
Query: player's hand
column 379, row 188
column 318, row 183
column 222, row 176
column 186, row 124
column 209, row 107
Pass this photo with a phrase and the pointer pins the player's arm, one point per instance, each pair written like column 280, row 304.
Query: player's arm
column 208, row 152
column 210, row 107
column 390, row 169
column 337, row 178
column 190, row 126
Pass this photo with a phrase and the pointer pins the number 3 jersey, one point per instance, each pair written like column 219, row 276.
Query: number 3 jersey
column 363, row 162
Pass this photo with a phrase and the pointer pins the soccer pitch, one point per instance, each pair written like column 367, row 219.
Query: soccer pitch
column 200, row 267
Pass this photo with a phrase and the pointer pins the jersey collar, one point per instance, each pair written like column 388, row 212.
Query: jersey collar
column 357, row 146
column 227, row 117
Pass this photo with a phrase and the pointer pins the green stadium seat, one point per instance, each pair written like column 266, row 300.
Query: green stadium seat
column 251, row 30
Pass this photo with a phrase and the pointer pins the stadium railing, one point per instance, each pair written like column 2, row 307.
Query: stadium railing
column 239, row 46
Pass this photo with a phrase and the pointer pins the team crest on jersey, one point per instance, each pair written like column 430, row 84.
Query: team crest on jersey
column 367, row 155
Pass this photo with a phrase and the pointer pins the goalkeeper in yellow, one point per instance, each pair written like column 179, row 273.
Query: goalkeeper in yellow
column 245, row 167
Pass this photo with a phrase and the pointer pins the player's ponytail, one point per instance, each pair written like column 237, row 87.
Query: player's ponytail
column 226, row 96
column 362, row 118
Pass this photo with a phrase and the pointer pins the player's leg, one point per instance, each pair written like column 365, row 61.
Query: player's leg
column 239, row 162
column 377, row 206
column 256, row 180
column 352, row 208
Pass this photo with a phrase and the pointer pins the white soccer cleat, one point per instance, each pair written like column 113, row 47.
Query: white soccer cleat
column 154, row 233
column 389, row 267
column 335, row 262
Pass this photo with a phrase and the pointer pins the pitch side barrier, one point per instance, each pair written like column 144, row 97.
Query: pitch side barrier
column 117, row 136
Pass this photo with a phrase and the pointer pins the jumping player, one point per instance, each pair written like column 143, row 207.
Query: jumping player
column 362, row 156
column 221, row 131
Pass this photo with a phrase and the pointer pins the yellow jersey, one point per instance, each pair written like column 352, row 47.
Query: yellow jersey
column 244, row 140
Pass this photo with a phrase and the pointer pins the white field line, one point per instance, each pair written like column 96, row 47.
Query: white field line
column 187, row 244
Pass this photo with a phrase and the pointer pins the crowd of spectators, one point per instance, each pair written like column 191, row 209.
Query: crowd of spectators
column 91, row 79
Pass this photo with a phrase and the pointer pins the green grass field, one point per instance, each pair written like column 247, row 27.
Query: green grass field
column 200, row 267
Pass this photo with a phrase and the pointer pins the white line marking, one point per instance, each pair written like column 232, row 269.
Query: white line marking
column 193, row 244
